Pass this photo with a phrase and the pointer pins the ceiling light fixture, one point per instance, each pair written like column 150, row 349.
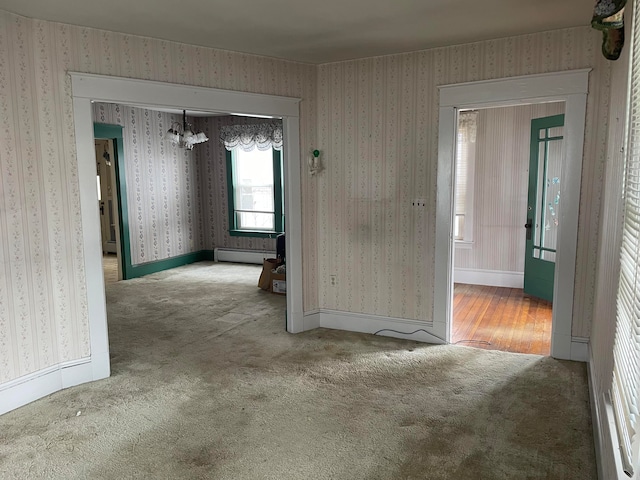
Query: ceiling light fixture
column 183, row 136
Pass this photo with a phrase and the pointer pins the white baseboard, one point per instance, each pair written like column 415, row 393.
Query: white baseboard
column 604, row 431
column 28, row 388
column 391, row 327
column 492, row 278
column 241, row 256
column 579, row 349
column 311, row 320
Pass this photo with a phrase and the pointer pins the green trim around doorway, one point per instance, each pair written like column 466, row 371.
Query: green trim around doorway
column 105, row 131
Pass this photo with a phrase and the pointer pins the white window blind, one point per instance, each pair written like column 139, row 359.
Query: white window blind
column 625, row 388
column 465, row 163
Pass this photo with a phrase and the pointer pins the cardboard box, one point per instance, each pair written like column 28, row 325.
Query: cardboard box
column 278, row 283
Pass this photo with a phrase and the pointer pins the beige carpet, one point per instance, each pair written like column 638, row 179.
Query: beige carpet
column 206, row 384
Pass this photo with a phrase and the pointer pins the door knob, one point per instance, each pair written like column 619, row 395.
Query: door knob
column 528, row 226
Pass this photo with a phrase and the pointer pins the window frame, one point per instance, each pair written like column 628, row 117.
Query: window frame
column 467, row 240
column 278, row 200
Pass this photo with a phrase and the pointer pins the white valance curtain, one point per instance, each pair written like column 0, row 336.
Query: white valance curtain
column 262, row 136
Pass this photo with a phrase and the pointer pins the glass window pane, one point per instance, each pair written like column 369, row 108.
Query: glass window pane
column 458, row 227
column 256, row 221
column 554, row 165
column 538, row 228
column 556, row 131
column 253, row 176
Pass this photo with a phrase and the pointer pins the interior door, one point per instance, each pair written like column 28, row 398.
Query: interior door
column 543, row 205
column 106, row 195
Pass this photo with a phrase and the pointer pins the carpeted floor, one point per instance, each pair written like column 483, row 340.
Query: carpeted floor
column 206, row 384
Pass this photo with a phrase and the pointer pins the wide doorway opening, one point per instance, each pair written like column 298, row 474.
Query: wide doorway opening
column 569, row 88
column 506, row 220
column 89, row 90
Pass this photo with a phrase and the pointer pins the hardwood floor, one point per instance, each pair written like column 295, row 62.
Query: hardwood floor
column 497, row 318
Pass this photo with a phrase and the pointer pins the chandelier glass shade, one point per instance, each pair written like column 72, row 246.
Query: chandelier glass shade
column 182, row 136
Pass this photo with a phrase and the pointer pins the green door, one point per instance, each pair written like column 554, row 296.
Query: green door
column 543, row 205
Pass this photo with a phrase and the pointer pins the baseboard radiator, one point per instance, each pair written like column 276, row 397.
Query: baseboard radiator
column 241, row 256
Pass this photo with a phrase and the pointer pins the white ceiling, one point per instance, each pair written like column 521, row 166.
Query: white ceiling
column 314, row 32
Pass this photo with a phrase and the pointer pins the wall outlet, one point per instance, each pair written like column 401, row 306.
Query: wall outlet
column 419, row 202
column 333, row 280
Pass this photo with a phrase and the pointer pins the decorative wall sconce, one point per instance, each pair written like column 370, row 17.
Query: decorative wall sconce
column 183, row 136
column 314, row 163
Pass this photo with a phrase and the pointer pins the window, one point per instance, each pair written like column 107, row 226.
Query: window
column 625, row 387
column 254, row 180
column 464, row 175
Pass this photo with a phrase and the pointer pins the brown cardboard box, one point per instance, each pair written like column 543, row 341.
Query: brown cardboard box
column 278, row 283
column 264, row 282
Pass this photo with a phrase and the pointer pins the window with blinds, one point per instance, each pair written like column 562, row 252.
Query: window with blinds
column 625, row 388
column 465, row 163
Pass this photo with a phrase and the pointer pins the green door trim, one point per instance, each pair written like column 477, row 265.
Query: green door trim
column 539, row 273
column 105, row 131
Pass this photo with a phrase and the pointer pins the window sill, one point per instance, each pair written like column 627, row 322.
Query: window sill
column 253, row 233
column 463, row 245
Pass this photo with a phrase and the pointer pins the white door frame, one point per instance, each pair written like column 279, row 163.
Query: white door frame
column 87, row 88
column 570, row 87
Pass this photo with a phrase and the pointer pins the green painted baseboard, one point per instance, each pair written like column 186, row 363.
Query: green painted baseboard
column 173, row 262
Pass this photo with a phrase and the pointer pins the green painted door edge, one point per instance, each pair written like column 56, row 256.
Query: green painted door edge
column 114, row 132
column 538, row 274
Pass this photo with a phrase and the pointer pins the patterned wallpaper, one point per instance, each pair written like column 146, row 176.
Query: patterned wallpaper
column 177, row 198
column 212, row 160
column 375, row 121
column 163, row 187
column 377, row 126
column 43, row 305
column 501, row 185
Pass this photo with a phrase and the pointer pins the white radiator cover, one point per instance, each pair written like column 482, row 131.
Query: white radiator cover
column 241, row 256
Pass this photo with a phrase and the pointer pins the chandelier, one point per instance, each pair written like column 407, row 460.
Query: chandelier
column 183, row 136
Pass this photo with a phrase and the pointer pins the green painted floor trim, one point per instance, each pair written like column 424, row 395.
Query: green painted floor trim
column 168, row 263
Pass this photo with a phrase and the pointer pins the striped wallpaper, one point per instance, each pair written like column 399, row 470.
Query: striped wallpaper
column 501, row 187
column 212, row 160
column 43, row 299
column 377, row 127
column 164, row 196
column 374, row 120
column 177, row 199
